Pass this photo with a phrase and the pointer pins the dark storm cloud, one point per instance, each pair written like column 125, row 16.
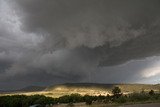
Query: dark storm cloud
column 77, row 41
column 76, row 23
column 92, row 23
column 138, row 48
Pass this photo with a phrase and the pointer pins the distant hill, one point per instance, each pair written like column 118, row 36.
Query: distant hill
column 80, row 85
column 109, row 87
column 32, row 89
column 99, row 89
column 25, row 89
column 83, row 89
column 1, row 91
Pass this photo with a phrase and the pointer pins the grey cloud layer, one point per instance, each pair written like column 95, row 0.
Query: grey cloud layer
column 82, row 23
column 76, row 41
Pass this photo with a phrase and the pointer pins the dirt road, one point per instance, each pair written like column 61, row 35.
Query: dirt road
column 143, row 105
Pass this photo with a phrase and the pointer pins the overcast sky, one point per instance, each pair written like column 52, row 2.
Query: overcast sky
column 46, row 42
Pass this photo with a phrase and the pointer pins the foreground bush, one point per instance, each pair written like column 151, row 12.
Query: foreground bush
column 139, row 97
column 24, row 101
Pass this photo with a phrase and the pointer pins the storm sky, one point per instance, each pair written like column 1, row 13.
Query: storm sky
column 46, row 42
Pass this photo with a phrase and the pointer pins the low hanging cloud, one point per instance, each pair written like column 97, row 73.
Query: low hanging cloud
column 77, row 41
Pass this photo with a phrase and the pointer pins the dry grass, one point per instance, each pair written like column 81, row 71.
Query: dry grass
column 94, row 90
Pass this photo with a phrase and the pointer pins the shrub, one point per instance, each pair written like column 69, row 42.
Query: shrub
column 151, row 92
column 88, row 99
column 116, row 92
column 121, row 99
column 24, row 101
column 138, row 97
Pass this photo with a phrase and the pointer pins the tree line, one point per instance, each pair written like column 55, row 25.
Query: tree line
column 117, row 97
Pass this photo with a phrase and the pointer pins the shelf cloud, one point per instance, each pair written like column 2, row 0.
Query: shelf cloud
column 58, row 41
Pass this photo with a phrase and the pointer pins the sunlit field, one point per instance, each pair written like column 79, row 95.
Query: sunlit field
column 90, row 89
column 85, row 95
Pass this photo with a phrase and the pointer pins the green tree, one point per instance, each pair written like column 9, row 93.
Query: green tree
column 151, row 92
column 116, row 92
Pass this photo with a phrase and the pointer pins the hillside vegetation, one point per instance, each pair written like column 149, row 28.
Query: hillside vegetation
column 89, row 89
column 117, row 98
column 101, row 89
